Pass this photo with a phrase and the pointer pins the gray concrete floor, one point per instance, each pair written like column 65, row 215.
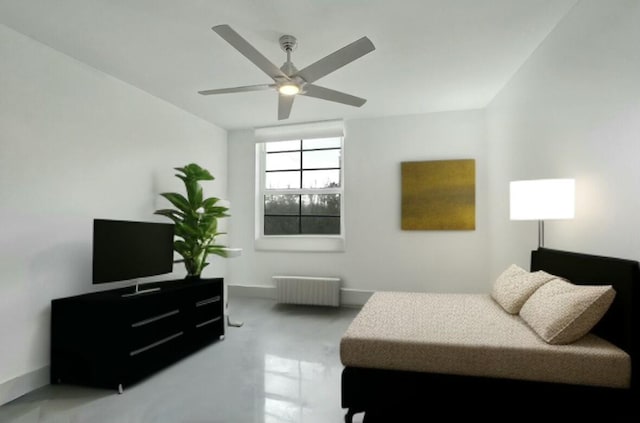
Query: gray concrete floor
column 282, row 366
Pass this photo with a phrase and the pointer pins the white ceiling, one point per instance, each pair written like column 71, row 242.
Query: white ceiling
column 431, row 55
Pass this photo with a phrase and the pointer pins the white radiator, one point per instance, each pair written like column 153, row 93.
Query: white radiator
column 307, row 290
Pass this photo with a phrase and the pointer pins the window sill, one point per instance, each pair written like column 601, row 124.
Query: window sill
column 300, row 243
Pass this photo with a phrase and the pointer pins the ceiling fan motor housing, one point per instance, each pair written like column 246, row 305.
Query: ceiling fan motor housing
column 288, row 43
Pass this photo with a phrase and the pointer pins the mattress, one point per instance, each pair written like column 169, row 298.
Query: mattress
column 470, row 334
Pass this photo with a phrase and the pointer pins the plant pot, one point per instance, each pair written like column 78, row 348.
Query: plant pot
column 192, row 278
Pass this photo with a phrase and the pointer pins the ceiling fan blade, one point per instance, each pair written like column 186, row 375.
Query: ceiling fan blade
column 337, row 59
column 332, row 95
column 260, row 87
column 248, row 51
column 284, row 105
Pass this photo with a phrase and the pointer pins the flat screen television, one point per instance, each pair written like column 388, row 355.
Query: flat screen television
column 125, row 250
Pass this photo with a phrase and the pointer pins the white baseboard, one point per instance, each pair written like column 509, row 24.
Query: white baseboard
column 348, row 297
column 23, row 384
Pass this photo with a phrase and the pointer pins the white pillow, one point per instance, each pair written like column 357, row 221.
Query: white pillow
column 515, row 285
column 561, row 312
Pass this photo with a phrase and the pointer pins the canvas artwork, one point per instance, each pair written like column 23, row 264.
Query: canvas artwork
column 439, row 195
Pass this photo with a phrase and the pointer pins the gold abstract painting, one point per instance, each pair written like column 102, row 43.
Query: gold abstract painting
column 439, row 195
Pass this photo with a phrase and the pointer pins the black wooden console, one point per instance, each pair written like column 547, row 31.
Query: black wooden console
column 108, row 340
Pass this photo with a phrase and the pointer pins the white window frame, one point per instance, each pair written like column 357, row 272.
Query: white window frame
column 304, row 242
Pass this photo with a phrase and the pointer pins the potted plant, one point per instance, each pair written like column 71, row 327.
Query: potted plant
column 195, row 219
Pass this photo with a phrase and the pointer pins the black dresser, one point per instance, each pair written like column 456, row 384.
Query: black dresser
column 108, row 340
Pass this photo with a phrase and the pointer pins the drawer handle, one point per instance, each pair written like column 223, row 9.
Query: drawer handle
column 155, row 344
column 207, row 322
column 154, row 319
column 208, row 301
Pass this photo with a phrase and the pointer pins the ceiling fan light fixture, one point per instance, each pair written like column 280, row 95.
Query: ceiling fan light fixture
column 289, row 89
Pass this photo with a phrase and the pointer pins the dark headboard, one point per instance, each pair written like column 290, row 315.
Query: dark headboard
column 621, row 320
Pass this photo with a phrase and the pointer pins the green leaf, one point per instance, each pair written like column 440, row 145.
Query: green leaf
column 209, row 202
column 166, row 212
column 186, row 230
column 180, row 233
column 174, row 215
column 217, row 212
column 178, row 201
column 196, row 197
column 194, row 171
column 217, row 246
column 194, row 193
column 181, row 248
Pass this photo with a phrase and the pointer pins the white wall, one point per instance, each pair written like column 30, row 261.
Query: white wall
column 379, row 255
column 75, row 144
column 573, row 110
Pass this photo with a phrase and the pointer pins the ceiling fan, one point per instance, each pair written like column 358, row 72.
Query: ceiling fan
column 288, row 80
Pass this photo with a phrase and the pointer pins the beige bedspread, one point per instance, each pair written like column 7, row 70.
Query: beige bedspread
column 469, row 334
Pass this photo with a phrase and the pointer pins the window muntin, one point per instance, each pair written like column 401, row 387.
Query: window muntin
column 302, row 192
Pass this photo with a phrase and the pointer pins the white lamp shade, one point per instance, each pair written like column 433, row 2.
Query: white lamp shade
column 542, row 199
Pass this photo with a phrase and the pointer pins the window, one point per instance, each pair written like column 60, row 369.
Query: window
column 301, row 189
column 302, row 192
column 299, row 192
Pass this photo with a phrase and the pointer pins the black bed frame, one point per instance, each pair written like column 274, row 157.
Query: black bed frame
column 401, row 396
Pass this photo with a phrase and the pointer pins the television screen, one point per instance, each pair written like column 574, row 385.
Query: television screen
column 125, row 250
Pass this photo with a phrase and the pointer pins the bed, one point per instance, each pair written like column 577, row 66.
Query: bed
column 406, row 381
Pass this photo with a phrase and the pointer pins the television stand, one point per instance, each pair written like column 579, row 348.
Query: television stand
column 139, row 291
column 103, row 339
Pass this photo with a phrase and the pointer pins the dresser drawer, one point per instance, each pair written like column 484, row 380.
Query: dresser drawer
column 208, row 308
column 153, row 329
column 145, row 307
